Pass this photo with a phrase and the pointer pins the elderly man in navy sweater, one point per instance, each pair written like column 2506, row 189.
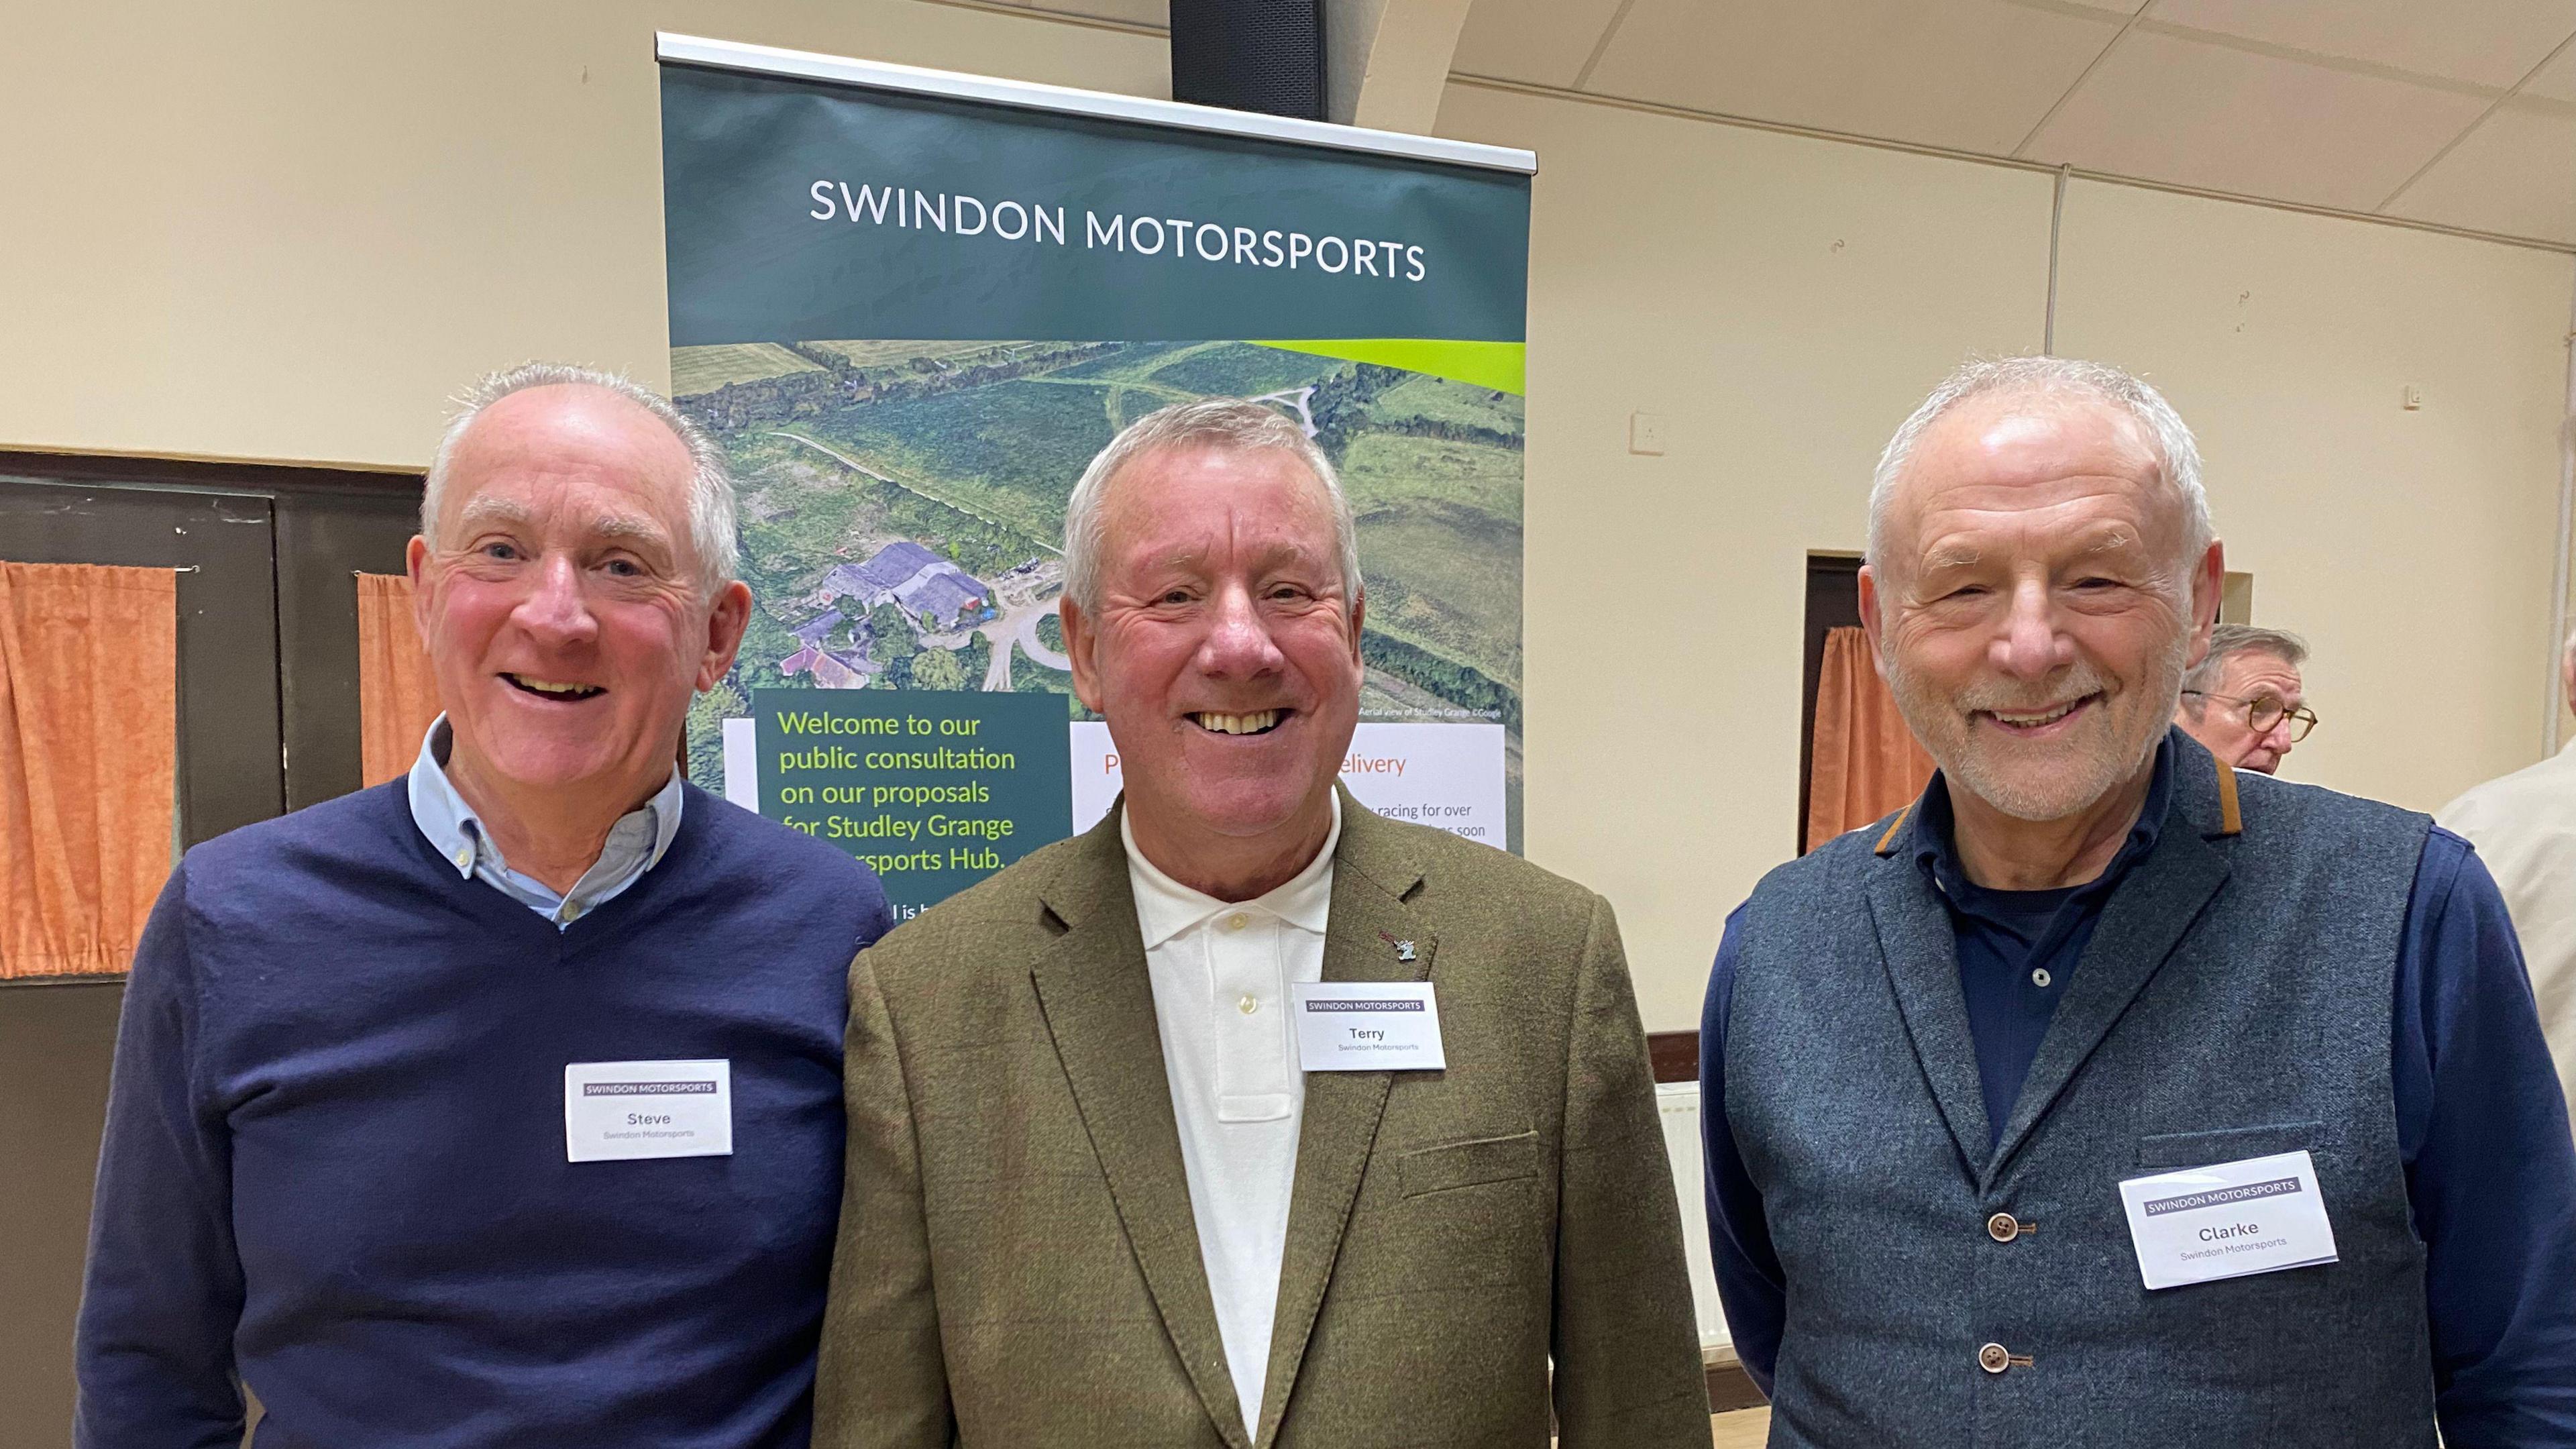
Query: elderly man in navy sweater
column 498, row 1105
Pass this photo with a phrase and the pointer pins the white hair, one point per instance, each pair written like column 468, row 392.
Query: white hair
column 1216, row 422
column 711, row 496
column 2177, row 461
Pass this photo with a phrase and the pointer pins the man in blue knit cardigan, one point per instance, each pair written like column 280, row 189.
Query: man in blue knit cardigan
column 498, row 1105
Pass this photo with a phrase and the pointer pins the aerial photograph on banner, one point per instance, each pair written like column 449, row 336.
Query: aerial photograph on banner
column 902, row 511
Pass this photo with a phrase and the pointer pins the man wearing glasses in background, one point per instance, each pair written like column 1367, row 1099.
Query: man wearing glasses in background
column 2244, row 703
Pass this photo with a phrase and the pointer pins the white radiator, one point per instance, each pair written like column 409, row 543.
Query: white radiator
column 1678, row 1103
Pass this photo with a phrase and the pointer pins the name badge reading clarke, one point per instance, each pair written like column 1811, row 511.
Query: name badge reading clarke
column 2261, row 1215
column 1367, row 1026
column 614, row 1111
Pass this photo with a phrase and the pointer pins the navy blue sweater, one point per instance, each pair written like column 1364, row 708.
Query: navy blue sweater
column 335, row 1159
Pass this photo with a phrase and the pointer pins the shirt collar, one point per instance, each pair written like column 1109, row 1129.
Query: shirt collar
column 1165, row 907
column 1935, row 849
column 450, row 826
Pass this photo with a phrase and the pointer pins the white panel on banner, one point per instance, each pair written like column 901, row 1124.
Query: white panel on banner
column 742, row 764
column 1445, row 775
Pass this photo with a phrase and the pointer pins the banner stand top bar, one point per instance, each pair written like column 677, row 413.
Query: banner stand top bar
column 807, row 65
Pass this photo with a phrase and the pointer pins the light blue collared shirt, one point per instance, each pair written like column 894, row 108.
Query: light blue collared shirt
column 635, row 843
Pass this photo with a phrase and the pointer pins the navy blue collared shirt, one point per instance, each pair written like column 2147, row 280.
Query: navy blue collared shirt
column 2481, row 1124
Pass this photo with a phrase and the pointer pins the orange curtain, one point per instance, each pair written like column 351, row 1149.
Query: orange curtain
column 397, row 694
column 89, row 743
column 1866, row 761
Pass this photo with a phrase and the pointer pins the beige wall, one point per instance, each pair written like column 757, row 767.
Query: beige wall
column 283, row 231
column 1784, row 302
column 2413, row 549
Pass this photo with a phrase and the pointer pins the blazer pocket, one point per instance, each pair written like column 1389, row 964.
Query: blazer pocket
column 2230, row 1144
column 1466, row 1164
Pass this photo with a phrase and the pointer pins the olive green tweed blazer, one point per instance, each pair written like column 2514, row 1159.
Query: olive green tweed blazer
column 1017, row 1264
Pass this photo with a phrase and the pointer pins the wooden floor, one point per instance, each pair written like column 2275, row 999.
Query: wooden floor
column 1743, row 1429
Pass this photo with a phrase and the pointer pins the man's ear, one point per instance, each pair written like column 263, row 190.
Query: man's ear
column 2208, row 581
column 416, row 563
column 1869, row 613
column 725, row 624
column 1359, row 616
column 1079, row 640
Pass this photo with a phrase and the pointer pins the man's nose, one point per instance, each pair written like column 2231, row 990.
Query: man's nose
column 2029, row 646
column 1238, row 640
column 556, row 611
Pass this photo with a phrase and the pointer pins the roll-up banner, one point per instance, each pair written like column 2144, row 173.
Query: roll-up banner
column 911, row 306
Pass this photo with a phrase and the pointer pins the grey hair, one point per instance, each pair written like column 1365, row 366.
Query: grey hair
column 711, row 492
column 2229, row 640
column 1215, row 422
column 2178, row 457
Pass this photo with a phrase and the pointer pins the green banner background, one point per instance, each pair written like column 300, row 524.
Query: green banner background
column 743, row 156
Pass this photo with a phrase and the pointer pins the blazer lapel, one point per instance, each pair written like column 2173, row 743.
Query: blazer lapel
column 1922, row 957
column 2142, row 922
column 1098, row 1002
column 1373, row 874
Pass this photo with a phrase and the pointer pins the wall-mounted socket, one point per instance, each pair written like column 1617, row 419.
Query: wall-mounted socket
column 1646, row 434
column 2411, row 398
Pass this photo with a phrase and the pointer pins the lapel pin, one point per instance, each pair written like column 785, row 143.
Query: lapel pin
column 1403, row 949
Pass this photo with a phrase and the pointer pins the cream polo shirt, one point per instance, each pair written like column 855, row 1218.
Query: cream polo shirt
column 2524, row 826
column 1220, row 975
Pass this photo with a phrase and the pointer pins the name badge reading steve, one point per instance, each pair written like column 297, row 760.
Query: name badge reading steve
column 2261, row 1215
column 619, row 1110
column 1367, row 1026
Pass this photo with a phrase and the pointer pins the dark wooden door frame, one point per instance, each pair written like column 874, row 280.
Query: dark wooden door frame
column 1833, row 602
column 229, row 769
column 328, row 524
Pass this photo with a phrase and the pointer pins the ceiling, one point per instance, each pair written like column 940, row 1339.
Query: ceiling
column 2456, row 112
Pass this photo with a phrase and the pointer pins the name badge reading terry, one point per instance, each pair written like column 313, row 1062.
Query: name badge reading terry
column 619, row 1110
column 2261, row 1215
column 1367, row 1026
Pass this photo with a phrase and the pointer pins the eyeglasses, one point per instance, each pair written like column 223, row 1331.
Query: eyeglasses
column 2264, row 711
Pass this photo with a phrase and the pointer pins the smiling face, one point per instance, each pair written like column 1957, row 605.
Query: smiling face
column 2224, row 725
column 1225, row 649
column 562, row 609
column 2032, row 609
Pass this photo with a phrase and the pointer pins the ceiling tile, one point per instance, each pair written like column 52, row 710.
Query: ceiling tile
column 2489, row 42
column 2515, row 174
column 2557, row 80
column 1971, row 74
column 1544, row 42
column 2166, row 109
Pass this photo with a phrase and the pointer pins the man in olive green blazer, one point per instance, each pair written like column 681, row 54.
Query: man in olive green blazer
column 1053, row 1232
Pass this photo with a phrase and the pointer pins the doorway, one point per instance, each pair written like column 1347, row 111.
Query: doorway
column 267, row 722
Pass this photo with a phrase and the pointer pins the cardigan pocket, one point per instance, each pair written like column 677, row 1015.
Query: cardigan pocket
column 1471, row 1163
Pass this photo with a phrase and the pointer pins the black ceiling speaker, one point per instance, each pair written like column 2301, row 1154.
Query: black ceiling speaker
column 1250, row 55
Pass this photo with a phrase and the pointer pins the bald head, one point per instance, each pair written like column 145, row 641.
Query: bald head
column 2016, row 397
column 548, row 414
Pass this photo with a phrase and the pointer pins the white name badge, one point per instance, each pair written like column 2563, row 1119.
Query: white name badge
column 2260, row 1215
column 614, row 1111
column 1367, row 1026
